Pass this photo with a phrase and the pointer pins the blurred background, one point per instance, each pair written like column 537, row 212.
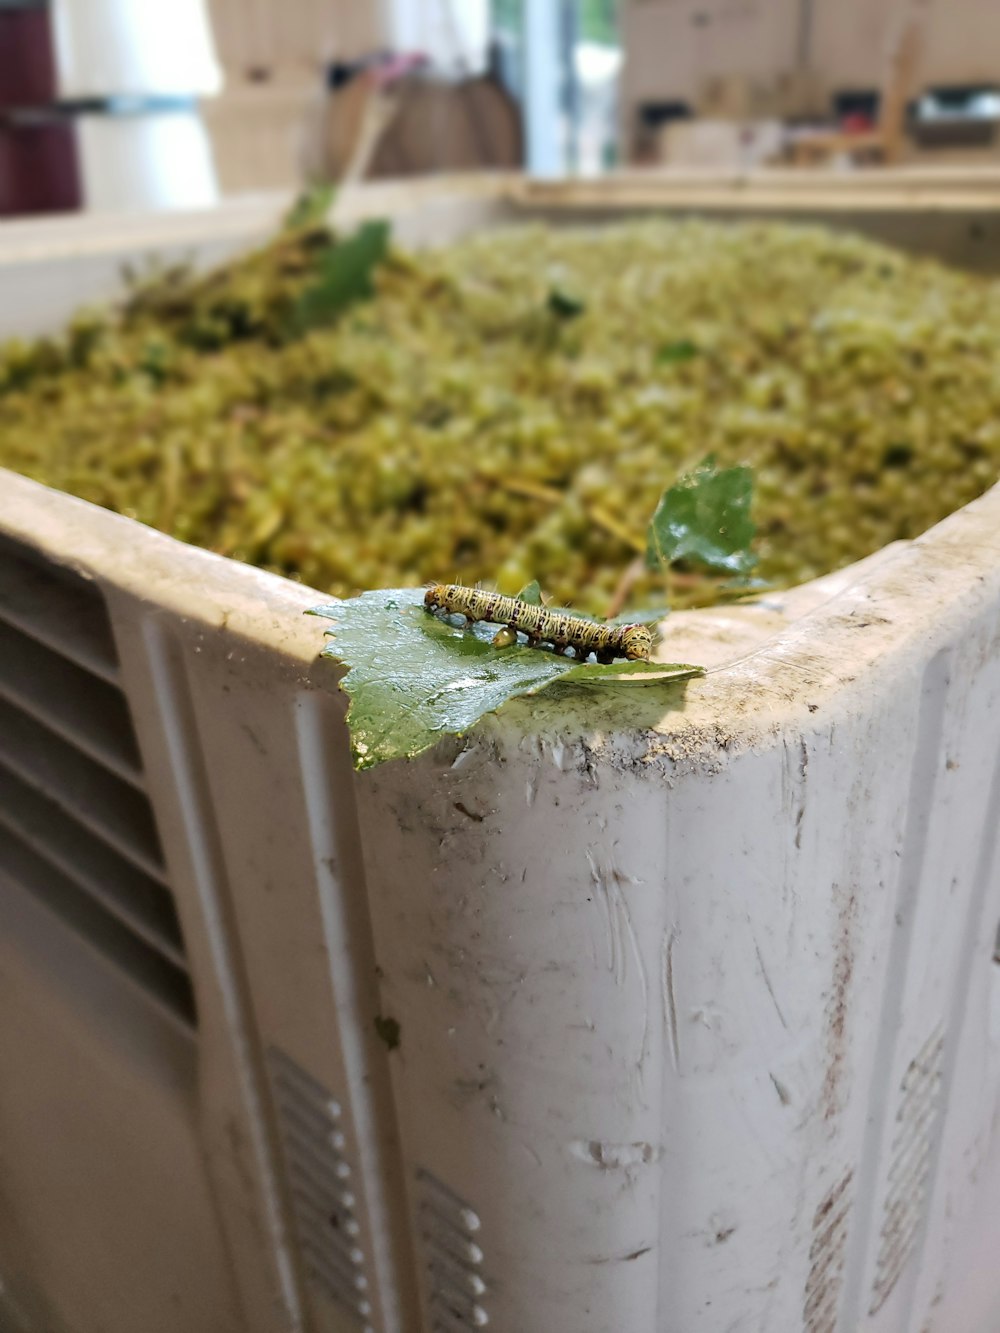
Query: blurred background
column 137, row 104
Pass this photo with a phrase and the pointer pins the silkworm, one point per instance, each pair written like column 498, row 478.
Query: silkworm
column 559, row 628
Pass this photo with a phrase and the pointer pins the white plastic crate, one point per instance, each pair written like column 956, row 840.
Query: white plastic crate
column 699, row 1013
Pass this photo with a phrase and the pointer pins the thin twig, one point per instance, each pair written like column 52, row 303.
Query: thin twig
column 596, row 513
column 532, row 489
column 610, row 524
column 633, row 572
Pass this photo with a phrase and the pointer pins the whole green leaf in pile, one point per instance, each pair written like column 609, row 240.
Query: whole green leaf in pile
column 345, row 276
column 705, row 519
column 414, row 678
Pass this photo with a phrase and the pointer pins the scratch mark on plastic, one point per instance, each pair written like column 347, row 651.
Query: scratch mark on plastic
column 616, row 954
column 625, row 919
column 767, row 983
column 469, row 814
column 622, row 1258
column 669, row 1000
column 532, row 1155
column 784, row 1096
column 614, row 1156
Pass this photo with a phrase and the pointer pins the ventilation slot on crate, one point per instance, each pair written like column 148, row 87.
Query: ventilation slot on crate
column 320, row 1184
column 449, row 1232
column 76, row 826
column 916, row 1119
column 827, row 1255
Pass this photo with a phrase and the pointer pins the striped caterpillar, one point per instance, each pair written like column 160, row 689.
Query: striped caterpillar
column 559, row 628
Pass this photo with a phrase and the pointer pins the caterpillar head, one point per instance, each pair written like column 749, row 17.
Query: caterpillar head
column 434, row 597
column 637, row 642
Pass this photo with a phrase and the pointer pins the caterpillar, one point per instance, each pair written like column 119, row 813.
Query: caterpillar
column 562, row 630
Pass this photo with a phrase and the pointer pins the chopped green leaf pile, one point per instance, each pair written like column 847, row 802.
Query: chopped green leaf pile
column 511, row 407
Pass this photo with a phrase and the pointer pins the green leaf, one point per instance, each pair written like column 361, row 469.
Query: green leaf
column 531, row 593
column 705, row 517
column 414, row 678
column 345, row 276
column 310, row 208
column 564, row 305
column 671, row 353
column 641, row 615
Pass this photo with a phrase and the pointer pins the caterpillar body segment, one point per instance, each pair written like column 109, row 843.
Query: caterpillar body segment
column 562, row 630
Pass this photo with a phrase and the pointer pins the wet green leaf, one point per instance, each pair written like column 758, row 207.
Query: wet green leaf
column 345, row 276
column 414, row 677
column 705, row 518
